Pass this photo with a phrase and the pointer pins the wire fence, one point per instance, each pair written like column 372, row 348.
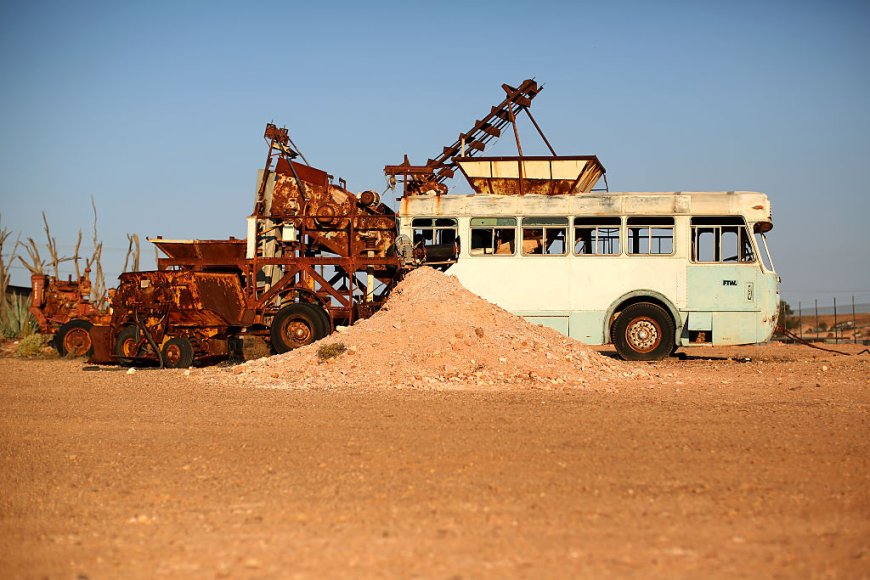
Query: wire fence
column 842, row 322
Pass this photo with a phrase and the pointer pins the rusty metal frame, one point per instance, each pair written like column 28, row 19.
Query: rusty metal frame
column 419, row 179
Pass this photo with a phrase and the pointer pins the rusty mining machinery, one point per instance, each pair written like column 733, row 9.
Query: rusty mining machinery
column 469, row 145
column 63, row 309
column 316, row 256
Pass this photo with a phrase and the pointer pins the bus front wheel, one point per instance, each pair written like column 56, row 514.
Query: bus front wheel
column 643, row 331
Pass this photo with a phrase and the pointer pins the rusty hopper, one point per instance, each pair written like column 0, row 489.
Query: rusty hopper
column 203, row 253
column 191, row 314
column 531, row 175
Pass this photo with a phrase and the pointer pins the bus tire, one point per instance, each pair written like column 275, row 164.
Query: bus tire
column 294, row 326
column 644, row 332
column 73, row 338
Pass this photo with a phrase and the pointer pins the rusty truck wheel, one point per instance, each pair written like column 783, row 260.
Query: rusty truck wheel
column 74, row 339
column 177, row 353
column 643, row 331
column 129, row 344
column 295, row 325
column 324, row 327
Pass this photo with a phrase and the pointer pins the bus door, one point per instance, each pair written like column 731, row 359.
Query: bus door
column 721, row 283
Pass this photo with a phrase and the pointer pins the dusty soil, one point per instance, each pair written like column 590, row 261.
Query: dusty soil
column 712, row 465
column 443, row 437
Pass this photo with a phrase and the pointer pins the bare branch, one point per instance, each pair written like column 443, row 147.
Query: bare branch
column 76, row 255
column 133, row 250
column 4, row 269
column 52, row 247
column 99, row 291
column 36, row 264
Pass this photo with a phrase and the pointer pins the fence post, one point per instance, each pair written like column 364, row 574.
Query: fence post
column 801, row 319
column 854, row 323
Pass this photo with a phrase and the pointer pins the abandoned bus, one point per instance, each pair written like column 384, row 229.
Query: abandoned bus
column 649, row 272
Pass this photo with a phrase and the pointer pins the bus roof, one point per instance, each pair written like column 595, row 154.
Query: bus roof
column 754, row 206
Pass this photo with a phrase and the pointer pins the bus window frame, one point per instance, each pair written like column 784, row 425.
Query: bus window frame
column 543, row 227
column 598, row 226
column 744, row 239
column 472, row 250
column 451, row 248
column 650, row 226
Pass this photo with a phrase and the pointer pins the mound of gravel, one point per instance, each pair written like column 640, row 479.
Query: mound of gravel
column 433, row 333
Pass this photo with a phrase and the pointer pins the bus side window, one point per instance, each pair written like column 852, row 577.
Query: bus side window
column 597, row 236
column 437, row 239
column 493, row 236
column 650, row 235
column 545, row 236
column 721, row 239
column 533, row 241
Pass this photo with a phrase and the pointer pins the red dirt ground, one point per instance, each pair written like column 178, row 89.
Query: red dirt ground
column 706, row 466
column 448, row 439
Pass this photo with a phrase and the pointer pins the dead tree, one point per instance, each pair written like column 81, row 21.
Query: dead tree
column 36, row 265
column 76, row 258
column 4, row 269
column 133, row 251
column 99, row 291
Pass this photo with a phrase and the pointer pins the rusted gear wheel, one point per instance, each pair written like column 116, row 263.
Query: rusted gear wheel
column 177, row 353
column 74, row 339
column 325, row 215
column 643, row 331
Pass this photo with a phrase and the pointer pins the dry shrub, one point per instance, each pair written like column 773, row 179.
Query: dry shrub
column 331, row 350
column 31, row 346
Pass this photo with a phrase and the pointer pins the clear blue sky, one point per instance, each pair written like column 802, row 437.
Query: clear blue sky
column 157, row 109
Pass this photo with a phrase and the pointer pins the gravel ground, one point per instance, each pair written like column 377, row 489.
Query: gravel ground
column 709, row 465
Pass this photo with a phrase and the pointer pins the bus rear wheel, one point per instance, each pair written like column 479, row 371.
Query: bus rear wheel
column 643, row 331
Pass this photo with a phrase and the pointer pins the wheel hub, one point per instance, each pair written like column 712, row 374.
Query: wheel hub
column 173, row 354
column 298, row 332
column 77, row 341
column 643, row 335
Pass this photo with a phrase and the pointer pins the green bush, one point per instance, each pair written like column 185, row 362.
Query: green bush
column 16, row 321
column 331, row 350
column 31, row 346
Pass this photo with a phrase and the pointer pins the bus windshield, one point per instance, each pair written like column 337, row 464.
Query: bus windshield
column 764, row 252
